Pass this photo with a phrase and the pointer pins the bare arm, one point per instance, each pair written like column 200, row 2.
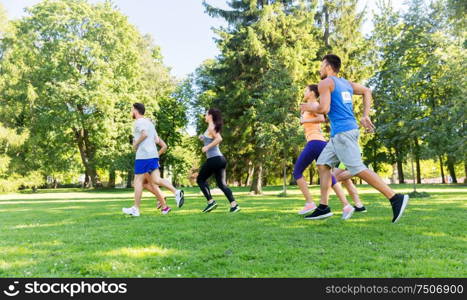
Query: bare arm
column 359, row 89
column 217, row 139
column 318, row 119
column 325, row 88
column 162, row 144
column 142, row 137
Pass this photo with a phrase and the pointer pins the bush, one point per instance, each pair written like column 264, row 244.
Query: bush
column 9, row 185
column 15, row 182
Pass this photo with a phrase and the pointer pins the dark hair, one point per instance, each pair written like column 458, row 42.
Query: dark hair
column 314, row 88
column 216, row 118
column 140, row 108
column 334, row 61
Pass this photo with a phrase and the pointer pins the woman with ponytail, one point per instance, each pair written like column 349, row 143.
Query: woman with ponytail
column 215, row 163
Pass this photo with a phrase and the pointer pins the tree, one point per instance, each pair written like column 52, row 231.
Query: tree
column 71, row 71
column 267, row 57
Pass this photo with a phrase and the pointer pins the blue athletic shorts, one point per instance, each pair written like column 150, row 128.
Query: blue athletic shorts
column 143, row 166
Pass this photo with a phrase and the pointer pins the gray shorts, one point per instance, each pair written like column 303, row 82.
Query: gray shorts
column 343, row 147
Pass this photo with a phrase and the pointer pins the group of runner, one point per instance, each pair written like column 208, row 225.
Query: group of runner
column 337, row 160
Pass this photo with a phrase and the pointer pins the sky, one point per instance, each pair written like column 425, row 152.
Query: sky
column 180, row 27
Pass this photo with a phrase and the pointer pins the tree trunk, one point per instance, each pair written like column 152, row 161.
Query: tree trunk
column 129, row 178
column 417, row 162
column 257, row 182
column 249, row 178
column 443, row 180
column 413, row 173
column 86, row 154
column 400, row 170
column 451, row 168
column 162, row 169
column 284, row 179
column 312, row 173
column 418, row 169
column 112, row 176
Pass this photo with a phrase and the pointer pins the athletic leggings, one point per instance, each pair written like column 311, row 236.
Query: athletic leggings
column 215, row 165
column 310, row 153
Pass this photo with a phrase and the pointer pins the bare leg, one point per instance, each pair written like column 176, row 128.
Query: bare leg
column 139, row 179
column 343, row 176
column 340, row 194
column 375, row 181
column 156, row 178
column 156, row 191
column 303, row 185
column 348, row 184
column 325, row 183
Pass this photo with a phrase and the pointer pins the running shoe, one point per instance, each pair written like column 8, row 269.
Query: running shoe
column 166, row 210
column 319, row 213
column 132, row 211
column 234, row 209
column 309, row 207
column 347, row 212
column 210, row 206
column 360, row 209
column 179, row 198
column 399, row 203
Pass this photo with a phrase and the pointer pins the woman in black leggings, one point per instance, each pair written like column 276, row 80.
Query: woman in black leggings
column 216, row 162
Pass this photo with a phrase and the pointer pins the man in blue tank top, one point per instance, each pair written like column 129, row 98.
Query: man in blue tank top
column 336, row 101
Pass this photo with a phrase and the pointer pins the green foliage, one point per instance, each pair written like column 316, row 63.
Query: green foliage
column 269, row 53
column 70, row 72
column 419, row 74
column 3, row 20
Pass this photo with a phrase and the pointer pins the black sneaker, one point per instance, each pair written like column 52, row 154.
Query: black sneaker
column 319, row 213
column 210, row 206
column 398, row 203
column 360, row 209
column 235, row 209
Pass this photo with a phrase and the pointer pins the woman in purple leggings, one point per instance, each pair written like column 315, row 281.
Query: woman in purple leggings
column 315, row 145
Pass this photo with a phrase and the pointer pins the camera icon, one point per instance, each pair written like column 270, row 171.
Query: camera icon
column 11, row 290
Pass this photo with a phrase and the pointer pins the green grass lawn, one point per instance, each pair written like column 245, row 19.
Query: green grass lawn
column 74, row 233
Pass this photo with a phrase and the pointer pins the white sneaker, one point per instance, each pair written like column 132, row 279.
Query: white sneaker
column 347, row 212
column 132, row 211
column 179, row 198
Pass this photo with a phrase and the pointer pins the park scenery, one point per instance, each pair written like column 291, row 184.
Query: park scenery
column 112, row 165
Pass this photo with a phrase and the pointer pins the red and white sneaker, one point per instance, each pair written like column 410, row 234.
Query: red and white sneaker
column 309, row 207
column 166, row 210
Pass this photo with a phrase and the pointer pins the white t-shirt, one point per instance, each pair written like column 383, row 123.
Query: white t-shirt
column 147, row 148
